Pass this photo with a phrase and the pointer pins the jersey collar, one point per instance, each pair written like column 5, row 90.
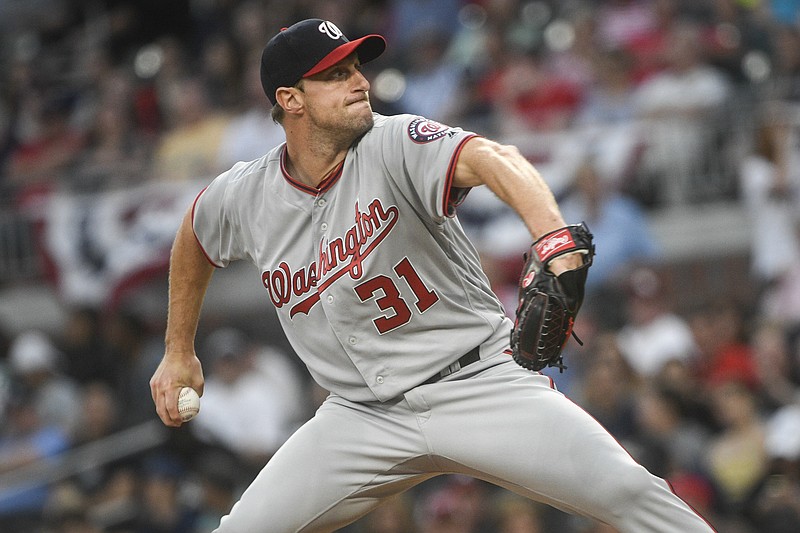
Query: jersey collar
column 324, row 185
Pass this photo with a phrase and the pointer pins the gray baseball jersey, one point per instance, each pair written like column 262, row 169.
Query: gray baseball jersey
column 378, row 289
column 369, row 272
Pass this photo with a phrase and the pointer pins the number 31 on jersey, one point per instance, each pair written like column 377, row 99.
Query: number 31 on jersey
column 391, row 302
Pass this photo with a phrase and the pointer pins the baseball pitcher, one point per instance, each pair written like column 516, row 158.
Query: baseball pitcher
column 351, row 224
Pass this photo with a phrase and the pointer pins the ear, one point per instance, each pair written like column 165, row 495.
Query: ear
column 290, row 99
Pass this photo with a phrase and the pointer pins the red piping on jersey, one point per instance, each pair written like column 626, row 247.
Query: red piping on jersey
column 324, row 185
column 669, row 485
column 448, row 207
column 332, row 177
column 672, row 490
column 194, row 205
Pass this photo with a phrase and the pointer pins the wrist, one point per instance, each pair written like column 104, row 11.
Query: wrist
column 568, row 261
column 179, row 350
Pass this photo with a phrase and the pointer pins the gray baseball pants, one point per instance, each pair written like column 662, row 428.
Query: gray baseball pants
column 491, row 420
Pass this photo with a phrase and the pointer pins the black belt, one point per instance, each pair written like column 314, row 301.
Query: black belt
column 473, row 356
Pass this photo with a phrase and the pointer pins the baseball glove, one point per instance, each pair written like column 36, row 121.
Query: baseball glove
column 548, row 304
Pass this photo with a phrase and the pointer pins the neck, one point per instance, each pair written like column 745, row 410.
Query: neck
column 311, row 168
column 310, row 159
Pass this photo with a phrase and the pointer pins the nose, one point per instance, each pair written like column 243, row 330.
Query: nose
column 361, row 82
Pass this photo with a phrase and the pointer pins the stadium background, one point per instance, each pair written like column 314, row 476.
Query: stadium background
column 670, row 126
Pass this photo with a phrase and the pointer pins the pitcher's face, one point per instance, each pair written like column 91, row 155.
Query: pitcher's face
column 337, row 99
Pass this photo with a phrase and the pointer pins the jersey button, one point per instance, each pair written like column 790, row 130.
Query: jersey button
column 330, row 298
column 353, row 341
column 323, row 226
column 321, row 202
column 379, row 379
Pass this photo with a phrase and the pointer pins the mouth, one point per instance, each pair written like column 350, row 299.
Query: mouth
column 363, row 99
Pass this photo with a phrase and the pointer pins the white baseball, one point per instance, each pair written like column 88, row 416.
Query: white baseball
column 188, row 403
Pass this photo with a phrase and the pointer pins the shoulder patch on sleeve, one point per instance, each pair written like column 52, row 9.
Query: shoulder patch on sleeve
column 421, row 130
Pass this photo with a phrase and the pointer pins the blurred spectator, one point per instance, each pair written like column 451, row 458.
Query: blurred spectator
column 784, row 11
column 515, row 514
column 35, row 363
column 770, row 186
column 608, row 98
column 410, row 17
column 41, row 160
column 772, row 357
column 135, row 24
column 606, row 124
column 162, row 509
column 783, row 434
column 240, row 375
column 523, row 95
column 23, row 99
column 81, row 342
column 574, row 58
column 432, row 82
column 359, row 17
column 220, row 71
column 781, row 301
column 609, row 386
column 75, row 523
column 784, row 82
column 648, row 47
column 96, row 79
column 457, row 506
column 479, row 49
column 251, row 132
column 662, row 425
column 253, row 22
column 653, row 334
column 723, row 352
column 116, row 154
column 736, row 458
column 679, row 380
column 776, row 503
column 113, row 504
column 221, row 478
column 26, row 439
column 100, row 418
column 38, row 15
column 135, row 356
column 739, row 40
column 395, row 515
column 681, row 107
column 161, row 66
column 474, row 45
column 771, row 193
column 189, row 149
column 99, row 414
column 610, row 217
column 620, row 22
column 67, row 512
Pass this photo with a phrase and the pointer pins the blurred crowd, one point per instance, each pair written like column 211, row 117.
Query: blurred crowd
column 626, row 107
column 110, row 93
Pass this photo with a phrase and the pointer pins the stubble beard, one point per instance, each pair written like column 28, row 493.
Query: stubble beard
column 344, row 129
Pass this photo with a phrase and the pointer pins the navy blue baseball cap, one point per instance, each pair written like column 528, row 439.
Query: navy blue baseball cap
column 307, row 48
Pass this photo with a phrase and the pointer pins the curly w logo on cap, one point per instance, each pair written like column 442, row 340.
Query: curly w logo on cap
column 307, row 48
